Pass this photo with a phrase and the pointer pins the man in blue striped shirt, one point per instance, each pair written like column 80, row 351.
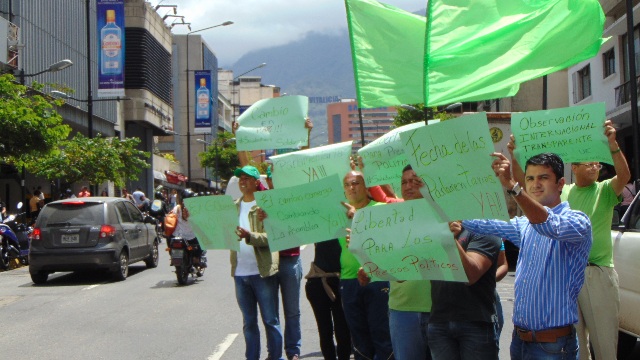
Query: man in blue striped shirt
column 554, row 244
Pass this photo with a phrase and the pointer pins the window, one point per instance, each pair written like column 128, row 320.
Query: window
column 608, row 63
column 337, row 128
column 581, row 84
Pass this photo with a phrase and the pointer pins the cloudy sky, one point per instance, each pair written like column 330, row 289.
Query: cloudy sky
column 261, row 23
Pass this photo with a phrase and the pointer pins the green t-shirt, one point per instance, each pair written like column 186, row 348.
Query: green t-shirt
column 349, row 265
column 597, row 201
column 413, row 295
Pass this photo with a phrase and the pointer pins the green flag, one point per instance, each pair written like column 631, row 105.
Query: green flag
column 387, row 47
column 475, row 49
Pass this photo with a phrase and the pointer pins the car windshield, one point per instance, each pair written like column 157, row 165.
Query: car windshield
column 71, row 215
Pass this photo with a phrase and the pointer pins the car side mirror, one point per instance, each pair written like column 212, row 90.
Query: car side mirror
column 150, row 219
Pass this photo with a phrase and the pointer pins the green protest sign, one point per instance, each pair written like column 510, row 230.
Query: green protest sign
column 405, row 241
column 304, row 214
column 575, row 133
column 453, row 158
column 276, row 123
column 384, row 157
column 214, row 220
column 308, row 165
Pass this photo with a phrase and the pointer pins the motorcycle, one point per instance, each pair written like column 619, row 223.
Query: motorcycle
column 14, row 241
column 186, row 259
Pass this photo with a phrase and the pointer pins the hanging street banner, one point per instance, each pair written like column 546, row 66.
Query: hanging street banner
column 110, row 23
column 384, row 158
column 453, row 158
column 214, row 220
column 276, row 123
column 304, row 214
column 575, row 133
column 202, row 111
column 405, row 241
column 305, row 166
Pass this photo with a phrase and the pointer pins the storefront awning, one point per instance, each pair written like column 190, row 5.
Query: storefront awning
column 158, row 175
column 175, row 177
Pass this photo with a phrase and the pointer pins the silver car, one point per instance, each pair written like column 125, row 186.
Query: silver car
column 91, row 233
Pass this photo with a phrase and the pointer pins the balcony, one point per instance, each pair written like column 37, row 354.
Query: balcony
column 623, row 93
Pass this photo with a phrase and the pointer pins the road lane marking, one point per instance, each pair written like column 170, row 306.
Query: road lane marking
column 91, row 287
column 222, row 347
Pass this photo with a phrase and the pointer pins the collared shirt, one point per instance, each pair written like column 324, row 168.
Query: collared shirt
column 550, row 270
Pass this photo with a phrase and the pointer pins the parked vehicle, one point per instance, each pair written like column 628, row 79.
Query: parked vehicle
column 626, row 252
column 91, row 233
column 14, row 240
column 185, row 257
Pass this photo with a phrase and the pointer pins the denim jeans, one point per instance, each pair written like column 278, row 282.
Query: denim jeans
column 289, row 277
column 409, row 335
column 565, row 348
column 458, row 340
column 253, row 292
column 366, row 309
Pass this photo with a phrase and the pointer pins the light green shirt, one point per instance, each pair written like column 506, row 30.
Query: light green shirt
column 597, row 201
column 349, row 264
column 413, row 295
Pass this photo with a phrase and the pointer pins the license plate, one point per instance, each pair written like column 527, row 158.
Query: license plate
column 176, row 253
column 70, row 239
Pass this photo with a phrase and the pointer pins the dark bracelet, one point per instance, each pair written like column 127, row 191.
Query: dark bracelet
column 616, row 151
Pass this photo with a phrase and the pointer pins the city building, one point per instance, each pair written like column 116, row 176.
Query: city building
column 35, row 34
column 148, row 83
column 191, row 54
column 343, row 122
column 606, row 77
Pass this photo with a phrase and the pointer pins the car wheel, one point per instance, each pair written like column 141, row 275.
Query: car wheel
column 39, row 277
column 626, row 344
column 152, row 260
column 182, row 274
column 123, row 269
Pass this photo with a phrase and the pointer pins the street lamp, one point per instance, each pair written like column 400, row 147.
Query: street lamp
column 60, row 65
column 233, row 83
column 427, row 111
column 216, row 177
column 226, row 23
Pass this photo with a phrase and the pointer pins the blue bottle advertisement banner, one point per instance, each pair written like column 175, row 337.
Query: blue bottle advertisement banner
column 110, row 23
column 203, row 97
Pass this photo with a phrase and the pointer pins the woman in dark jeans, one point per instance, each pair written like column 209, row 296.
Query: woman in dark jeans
column 323, row 291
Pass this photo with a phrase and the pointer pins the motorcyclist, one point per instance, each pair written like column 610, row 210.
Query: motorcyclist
column 159, row 208
column 183, row 228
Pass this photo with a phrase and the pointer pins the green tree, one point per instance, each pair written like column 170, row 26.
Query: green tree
column 409, row 116
column 228, row 155
column 93, row 160
column 30, row 126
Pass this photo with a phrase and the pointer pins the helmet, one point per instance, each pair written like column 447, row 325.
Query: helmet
column 158, row 195
column 187, row 193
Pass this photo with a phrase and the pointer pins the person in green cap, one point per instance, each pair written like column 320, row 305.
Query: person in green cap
column 254, row 268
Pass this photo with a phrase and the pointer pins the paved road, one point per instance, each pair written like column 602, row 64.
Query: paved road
column 87, row 316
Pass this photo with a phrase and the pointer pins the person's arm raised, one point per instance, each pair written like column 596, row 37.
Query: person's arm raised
column 516, row 169
column 619, row 161
column 533, row 210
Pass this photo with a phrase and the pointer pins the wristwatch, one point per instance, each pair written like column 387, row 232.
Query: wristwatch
column 517, row 189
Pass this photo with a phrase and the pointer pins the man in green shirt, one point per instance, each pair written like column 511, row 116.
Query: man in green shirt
column 599, row 303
